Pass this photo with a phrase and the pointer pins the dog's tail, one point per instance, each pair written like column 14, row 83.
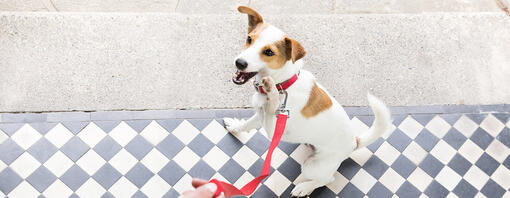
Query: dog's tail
column 381, row 125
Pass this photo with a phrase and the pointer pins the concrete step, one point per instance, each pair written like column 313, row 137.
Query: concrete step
column 107, row 61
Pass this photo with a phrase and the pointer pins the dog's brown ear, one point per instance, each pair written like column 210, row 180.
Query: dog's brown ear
column 254, row 17
column 295, row 49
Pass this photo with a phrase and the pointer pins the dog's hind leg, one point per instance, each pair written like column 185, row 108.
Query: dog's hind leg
column 318, row 170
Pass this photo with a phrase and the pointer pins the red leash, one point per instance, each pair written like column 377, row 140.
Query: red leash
column 229, row 190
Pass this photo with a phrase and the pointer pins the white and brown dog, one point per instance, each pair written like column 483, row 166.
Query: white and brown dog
column 316, row 118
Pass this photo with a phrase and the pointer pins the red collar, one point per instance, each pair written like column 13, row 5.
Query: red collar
column 284, row 85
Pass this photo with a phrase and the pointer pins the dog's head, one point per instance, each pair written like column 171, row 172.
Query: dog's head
column 267, row 49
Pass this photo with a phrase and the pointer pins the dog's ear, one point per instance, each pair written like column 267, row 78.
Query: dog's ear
column 295, row 49
column 254, row 17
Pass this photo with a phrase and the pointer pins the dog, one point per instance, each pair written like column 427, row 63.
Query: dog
column 316, row 118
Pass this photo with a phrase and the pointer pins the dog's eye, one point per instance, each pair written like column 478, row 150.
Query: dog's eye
column 268, row 52
column 248, row 40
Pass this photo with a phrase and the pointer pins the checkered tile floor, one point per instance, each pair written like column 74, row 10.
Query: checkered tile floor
column 426, row 155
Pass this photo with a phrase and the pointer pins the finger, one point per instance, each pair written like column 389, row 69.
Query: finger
column 187, row 192
column 198, row 182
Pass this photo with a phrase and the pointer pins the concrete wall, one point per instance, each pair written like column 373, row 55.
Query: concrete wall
column 83, row 61
column 266, row 6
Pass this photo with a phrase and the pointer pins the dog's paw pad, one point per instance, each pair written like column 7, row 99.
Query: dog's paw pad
column 303, row 189
column 233, row 125
column 268, row 84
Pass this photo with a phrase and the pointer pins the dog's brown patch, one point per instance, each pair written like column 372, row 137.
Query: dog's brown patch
column 267, row 85
column 255, row 34
column 295, row 49
column 254, row 18
column 319, row 101
column 357, row 142
column 280, row 57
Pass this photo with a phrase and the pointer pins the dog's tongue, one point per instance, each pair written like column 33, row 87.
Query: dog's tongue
column 238, row 77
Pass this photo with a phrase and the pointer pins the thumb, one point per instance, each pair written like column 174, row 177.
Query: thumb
column 207, row 190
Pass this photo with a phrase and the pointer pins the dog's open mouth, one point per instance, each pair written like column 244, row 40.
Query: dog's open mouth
column 242, row 77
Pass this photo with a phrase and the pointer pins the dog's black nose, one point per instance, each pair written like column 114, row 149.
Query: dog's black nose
column 241, row 64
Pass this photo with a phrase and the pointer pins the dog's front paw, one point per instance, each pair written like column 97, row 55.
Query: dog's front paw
column 303, row 189
column 268, row 84
column 234, row 125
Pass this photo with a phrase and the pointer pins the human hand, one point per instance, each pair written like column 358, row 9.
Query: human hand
column 203, row 189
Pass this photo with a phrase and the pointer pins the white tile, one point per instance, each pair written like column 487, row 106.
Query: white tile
column 506, row 195
column 492, row 125
column 502, row 177
column 301, row 153
column 451, row 195
column 155, row 187
column 58, row 164
column 26, row 136
column 23, row 190
column 58, row 190
column 470, row 151
column 420, row 179
column 122, row 134
column 185, row 132
column 443, row 152
column 438, row 126
column 476, row 177
column 244, row 179
column 358, row 125
column 245, row 157
column 216, row 158
column 2, row 166
column 480, row 195
column 123, row 188
column 184, row 184
column 465, row 125
column 90, row 162
column 277, row 159
column 214, row 131
column 186, row 158
column 448, row 178
column 3, row 136
column 59, row 135
column 338, row 184
column 363, row 181
column 154, row 133
column 25, row 165
column 277, row 183
column 244, row 137
column 392, row 180
column 361, row 155
column 498, row 151
column 91, row 134
column 410, row 127
column 90, row 189
column 387, row 153
column 154, row 160
column 123, row 161
column 415, row 153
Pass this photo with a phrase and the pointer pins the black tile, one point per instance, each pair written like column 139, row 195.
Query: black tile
column 107, row 126
column 506, row 163
column 10, row 151
column 200, row 124
column 170, row 124
column 258, row 143
column 43, row 127
column 107, row 148
column 465, row 189
column 172, row 193
column 375, row 145
column 450, row 118
column 397, row 119
column 171, row 173
column 351, row 191
column 459, row 164
column 256, row 168
column 348, row 168
column 107, row 195
column 408, row 190
column 74, row 148
column 139, row 147
column 431, row 165
column 138, row 125
column 455, row 138
column 10, row 128
column 286, row 193
column 375, row 166
column 74, row 177
column 202, row 170
column 287, row 147
column 367, row 120
column 399, row 140
column 170, row 146
column 379, row 191
column 436, row 190
column 503, row 117
column 290, row 169
column 230, row 144
column 504, row 137
column 139, row 194
column 107, row 176
column 423, row 119
column 75, row 127
column 263, row 192
column 487, row 164
column 481, row 138
column 41, row 178
column 24, row 117
column 322, row 192
column 426, row 140
column 492, row 189
column 403, row 166
column 9, row 180
column 477, row 117
column 139, row 175
column 201, row 145
column 231, row 171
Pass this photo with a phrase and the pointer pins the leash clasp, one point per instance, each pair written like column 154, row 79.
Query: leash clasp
column 283, row 108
